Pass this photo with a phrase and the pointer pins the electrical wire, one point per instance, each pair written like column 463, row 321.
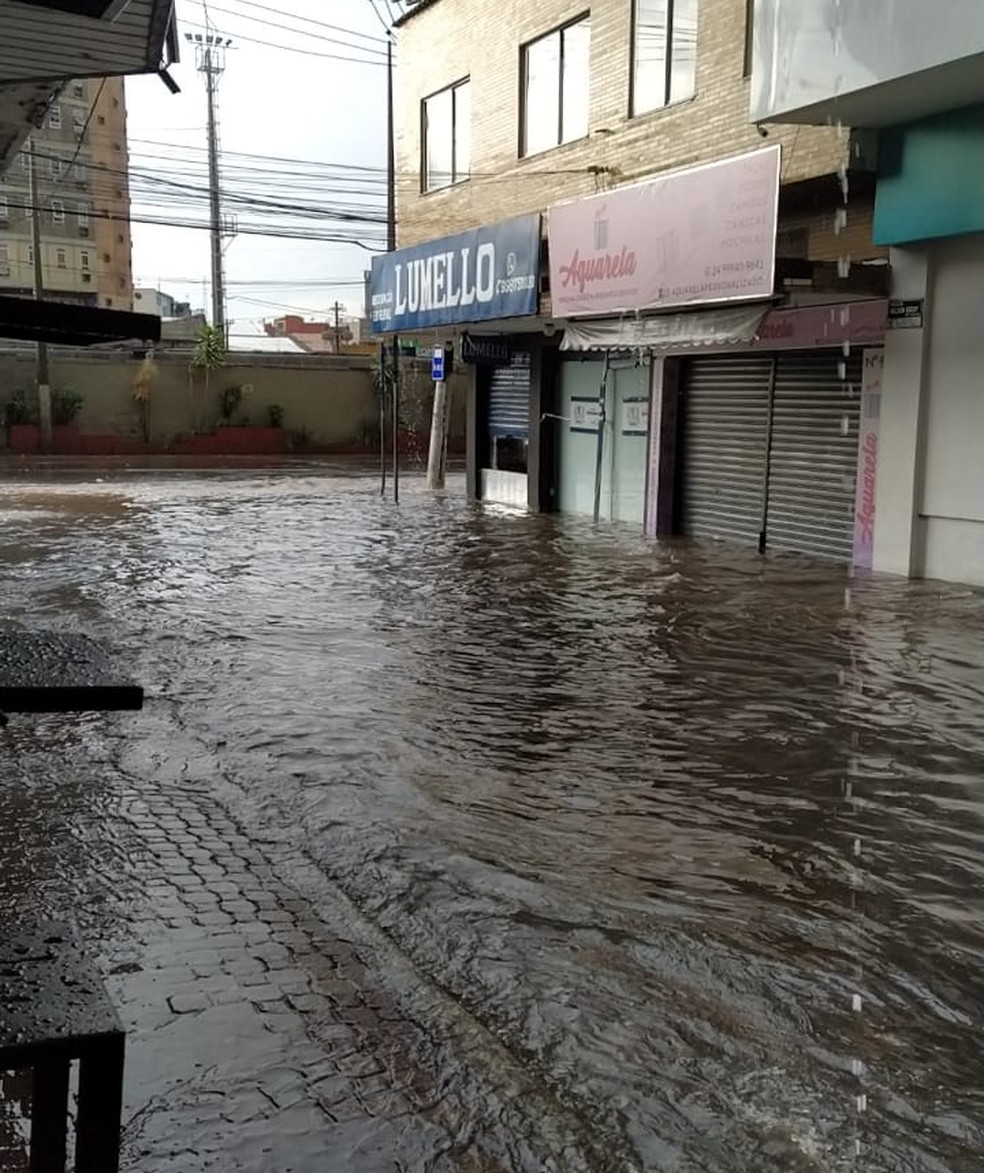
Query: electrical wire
column 380, row 63
column 279, row 25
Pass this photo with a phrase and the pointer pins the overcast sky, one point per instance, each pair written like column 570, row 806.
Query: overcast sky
column 308, row 106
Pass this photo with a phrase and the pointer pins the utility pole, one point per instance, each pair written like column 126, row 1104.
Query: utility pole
column 390, row 153
column 338, row 307
column 210, row 52
column 43, row 377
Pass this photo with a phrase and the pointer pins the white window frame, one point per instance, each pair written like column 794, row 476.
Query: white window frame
column 85, row 263
column 4, row 259
column 61, row 258
column 57, row 211
column 56, row 166
column 83, row 215
column 4, row 208
column 54, row 119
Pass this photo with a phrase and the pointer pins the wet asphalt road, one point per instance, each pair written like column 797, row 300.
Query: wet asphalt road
column 647, row 819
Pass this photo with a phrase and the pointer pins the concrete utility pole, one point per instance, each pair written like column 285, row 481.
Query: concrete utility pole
column 338, row 307
column 437, row 453
column 43, row 378
column 210, row 51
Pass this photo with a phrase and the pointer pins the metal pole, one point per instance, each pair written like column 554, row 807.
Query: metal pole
column 435, row 455
column 396, row 420
column 390, row 154
column 599, row 454
column 382, row 419
column 211, row 69
column 43, row 377
column 338, row 328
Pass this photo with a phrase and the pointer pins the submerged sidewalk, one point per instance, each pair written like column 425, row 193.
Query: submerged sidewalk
column 258, row 1037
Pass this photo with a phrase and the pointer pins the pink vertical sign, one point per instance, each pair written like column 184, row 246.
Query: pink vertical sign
column 873, row 363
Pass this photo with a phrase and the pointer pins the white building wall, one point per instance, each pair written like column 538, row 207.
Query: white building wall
column 930, row 495
column 953, row 490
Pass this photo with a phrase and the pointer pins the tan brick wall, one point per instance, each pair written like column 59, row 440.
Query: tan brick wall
column 453, row 39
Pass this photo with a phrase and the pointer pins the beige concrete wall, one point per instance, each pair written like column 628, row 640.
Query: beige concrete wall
column 333, row 400
column 454, row 39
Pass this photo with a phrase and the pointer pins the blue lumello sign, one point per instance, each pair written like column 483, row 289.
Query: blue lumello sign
column 475, row 276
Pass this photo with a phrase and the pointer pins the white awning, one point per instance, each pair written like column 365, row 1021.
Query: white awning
column 721, row 327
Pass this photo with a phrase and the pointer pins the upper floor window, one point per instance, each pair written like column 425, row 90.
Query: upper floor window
column 61, row 259
column 447, row 136
column 556, row 81
column 664, row 53
column 54, row 118
column 57, row 212
column 749, row 37
column 4, row 210
column 78, row 89
column 56, row 167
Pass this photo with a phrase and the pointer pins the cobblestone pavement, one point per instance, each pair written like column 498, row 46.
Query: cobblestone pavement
column 264, row 1033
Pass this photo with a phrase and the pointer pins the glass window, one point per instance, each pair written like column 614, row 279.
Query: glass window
column 749, row 37
column 4, row 211
column 447, row 137
column 55, row 167
column 83, row 212
column 556, row 86
column 665, row 53
column 57, row 212
column 54, row 118
column 84, row 260
column 61, row 259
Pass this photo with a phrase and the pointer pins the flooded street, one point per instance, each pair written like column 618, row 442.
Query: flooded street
column 646, row 818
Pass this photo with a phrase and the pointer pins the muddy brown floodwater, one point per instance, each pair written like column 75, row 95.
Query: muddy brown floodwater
column 606, row 795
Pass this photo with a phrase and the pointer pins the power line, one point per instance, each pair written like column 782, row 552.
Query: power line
column 279, row 25
column 380, row 63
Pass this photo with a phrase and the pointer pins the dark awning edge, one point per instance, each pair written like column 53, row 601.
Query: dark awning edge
column 62, row 323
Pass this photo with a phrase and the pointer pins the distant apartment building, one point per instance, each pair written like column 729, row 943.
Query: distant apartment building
column 653, row 292
column 164, row 305
column 82, row 200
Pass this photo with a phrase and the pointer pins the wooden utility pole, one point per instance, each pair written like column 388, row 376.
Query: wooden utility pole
column 43, row 378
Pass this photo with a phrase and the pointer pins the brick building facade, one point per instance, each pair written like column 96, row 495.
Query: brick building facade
column 700, row 424
column 443, row 42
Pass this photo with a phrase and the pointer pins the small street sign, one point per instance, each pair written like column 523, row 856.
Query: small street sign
column 437, row 364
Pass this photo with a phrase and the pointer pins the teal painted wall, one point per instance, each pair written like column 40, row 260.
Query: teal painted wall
column 931, row 178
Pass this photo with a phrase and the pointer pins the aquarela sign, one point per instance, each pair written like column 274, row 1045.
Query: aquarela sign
column 477, row 276
column 704, row 234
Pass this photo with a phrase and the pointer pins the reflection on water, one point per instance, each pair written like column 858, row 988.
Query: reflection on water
column 607, row 795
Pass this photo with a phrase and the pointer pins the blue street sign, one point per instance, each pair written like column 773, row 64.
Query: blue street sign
column 476, row 276
column 437, row 364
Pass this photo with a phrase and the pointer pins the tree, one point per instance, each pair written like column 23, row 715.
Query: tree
column 209, row 355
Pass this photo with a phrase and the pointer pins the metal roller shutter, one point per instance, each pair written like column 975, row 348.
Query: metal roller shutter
column 814, row 453
column 725, row 420
column 509, row 398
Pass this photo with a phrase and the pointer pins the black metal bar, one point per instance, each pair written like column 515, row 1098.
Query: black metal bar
column 97, row 1142
column 396, row 420
column 382, row 418
column 49, row 1116
column 764, row 525
column 600, row 449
